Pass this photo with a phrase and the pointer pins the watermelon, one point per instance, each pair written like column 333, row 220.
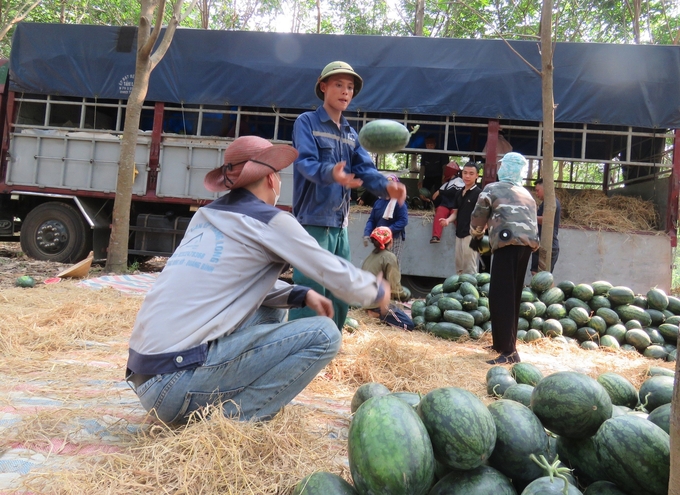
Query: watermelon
column 448, row 331
column 621, row 295
column 569, row 327
column 656, row 316
column 419, row 322
column 609, row 342
column 566, row 286
column 447, row 303
column 669, row 332
column 630, row 312
column 483, row 302
column 527, row 295
column 418, row 308
column 601, row 287
column 655, row 351
column 656, row 391
column 608, row 315
column 411, row 398
column 672, row 356
column 552, row 328
column 519, row 434
column 478, row 316
column 552, row 296
column 462, row 318
column 673, row 305
column 621, row 391
column 526, row 373
column 587, row 334
column 527, row 310
column 661, row 417
column 497, row 370
column 483, row 278
column 542, row 281
column 547, row 485
column 533, row 335
column 581, row 456
column 573, row 302
column 555, row 311
column 657, row 299
column 470, row 302
column 476, row 332
column 603, row 488
column 584, row 292
column 598, row 302
column 521, row 335
column 496, row 385
column 537, row 323
column 617, row 331
column 469, row 278
column 580, row 316
column 598, row 324
column 635, row 454
column 451, row 284
column 384, row 136
column 388, row 448
column 432, row 313
column 437, row 289
column 640, row 301
column 25, row 281
column 522, row 324
column 658, row 370
column 571, row 404
column 365, row 392
column 590, row 345
column 638, row 339
column 462, row 429
column 323, row 483
column 520, row 392
column 481, row 480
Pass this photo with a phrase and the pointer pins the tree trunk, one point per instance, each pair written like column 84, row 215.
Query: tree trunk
column 147, row 59
column 420, row 17
column 547, row 171
column 674, row 484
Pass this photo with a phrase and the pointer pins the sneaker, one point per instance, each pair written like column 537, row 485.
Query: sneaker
column 506, row 358
column 434, row 239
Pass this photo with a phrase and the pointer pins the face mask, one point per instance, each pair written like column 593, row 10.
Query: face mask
column 277, row 196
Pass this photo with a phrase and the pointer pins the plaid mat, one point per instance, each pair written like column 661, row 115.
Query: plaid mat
column 135, row 284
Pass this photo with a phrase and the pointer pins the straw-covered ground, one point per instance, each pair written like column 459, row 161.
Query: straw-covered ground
column 68, row 345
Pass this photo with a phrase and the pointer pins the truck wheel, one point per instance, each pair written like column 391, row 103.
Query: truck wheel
column 419, row 286
column 55, row 232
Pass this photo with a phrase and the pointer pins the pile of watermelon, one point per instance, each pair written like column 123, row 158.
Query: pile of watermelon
column 590, row 315
column 563, row 433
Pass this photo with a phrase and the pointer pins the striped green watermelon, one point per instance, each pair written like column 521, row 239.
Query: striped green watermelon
column 601, row 287
column 552, row 328
column 365, row 392
column 527, row 310
column 630, row 312
column 323, row 483
column 389, row 449
column 630, row 324
column 584, row 292
column 656, row 316
column 661, row 417
column 603, row 488
column 621, row 295
column 537, row 323
column 608, row 315
column 571, row 404
column 655, row 351
column 569, row 327
column 656, row 391
column 411, row 398
column 519, row 392
column 447, row 303
column 519, row 434
column 638, row 339
column 634, row 453
column 609, row 342
column 580, row 316
column 542, row 281
column 451, row 284
column 552, row 296
column 659, row 370
column 532, row 335
column 574, row 302
column 581, row 456
column 621, row 391
column 384, row 136
column 617, row 331
column 567, row 286
column 480, row 480
column 526, row 373
column 432, row 313
column 418, row 307
column 462, row 429
column 669, row 332
column 657, row 299
column 590, row 345
column 448, row 331
column 673, row 305
column 598, row 302
column 555, row 312
column 497, row 370
column 598, row 324
column 548, row 485
column 462, row 318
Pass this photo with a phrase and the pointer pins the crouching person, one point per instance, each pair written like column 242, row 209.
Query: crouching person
column 213, row 329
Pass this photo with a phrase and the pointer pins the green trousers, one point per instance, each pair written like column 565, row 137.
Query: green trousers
column 335, row 240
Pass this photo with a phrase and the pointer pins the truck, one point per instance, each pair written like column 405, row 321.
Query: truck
column 63, row 102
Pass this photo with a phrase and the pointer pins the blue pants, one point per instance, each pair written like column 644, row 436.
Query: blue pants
column 253, row 372
column 335, row 240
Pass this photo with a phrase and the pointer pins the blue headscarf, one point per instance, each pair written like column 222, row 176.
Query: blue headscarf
column 512, row 168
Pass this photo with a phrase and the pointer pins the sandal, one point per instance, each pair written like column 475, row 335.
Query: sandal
column 506, row 358
column 434, row 240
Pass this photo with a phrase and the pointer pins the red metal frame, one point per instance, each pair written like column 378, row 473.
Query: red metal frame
column 674, row 193
column 491, row 166
column 155, row 148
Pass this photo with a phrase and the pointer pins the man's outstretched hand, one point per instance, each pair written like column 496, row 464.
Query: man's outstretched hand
column 322, row 305
column 397, row 191
column 343, row 178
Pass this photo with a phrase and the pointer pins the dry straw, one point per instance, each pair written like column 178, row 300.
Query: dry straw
column 213, row 454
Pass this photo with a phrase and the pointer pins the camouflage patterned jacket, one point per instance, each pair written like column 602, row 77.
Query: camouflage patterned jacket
column 510, row 212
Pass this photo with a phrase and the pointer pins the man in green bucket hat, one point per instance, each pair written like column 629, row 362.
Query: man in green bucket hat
column 330, row 163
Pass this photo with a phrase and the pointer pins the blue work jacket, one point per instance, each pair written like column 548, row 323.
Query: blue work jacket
column 317, row 199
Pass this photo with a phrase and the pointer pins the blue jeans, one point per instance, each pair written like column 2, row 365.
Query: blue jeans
column 253, row 372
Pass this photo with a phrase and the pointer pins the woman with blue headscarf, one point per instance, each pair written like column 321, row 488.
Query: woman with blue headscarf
column 509, row 211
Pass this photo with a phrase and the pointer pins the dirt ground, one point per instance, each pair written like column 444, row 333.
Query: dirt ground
column 14, row 263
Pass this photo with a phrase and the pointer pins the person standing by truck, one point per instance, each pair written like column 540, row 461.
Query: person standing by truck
column 555, row 251
column 213, row 329
column 330, row 163
column 467, row 260
column 509, row 210
column 431, row 167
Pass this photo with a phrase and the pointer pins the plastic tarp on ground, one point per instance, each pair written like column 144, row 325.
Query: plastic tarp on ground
column 593, row 83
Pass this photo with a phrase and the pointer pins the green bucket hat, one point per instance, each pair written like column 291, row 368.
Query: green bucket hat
column 338, row 68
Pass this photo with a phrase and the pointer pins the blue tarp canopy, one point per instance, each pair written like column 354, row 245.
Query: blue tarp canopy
column 630, row 85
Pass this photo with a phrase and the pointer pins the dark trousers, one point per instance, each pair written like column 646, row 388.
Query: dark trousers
column 508, row 267
column 553, row 259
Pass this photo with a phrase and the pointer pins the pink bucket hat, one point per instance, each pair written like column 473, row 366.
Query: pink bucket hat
column 247, row 160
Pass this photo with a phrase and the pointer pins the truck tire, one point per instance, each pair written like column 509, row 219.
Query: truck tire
column 419, row 286
column 55, row 232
